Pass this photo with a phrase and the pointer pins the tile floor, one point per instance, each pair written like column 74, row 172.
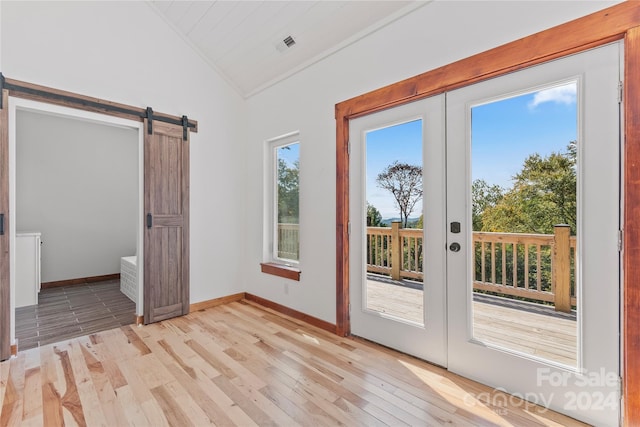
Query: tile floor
column 71, row 311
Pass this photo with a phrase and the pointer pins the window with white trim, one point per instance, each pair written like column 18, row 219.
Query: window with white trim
column 283, row 207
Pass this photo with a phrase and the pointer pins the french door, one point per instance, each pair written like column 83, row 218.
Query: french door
column 408, row 315
column 517, row 285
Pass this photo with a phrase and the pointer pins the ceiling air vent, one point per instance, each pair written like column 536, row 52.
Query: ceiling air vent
column 286, row 43
column 289, row 41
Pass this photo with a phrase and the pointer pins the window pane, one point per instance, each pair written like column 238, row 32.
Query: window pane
column 393, row 241
column 524, row 198
column 287, row 182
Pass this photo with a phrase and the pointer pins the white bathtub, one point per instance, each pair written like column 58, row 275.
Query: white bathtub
column 129, row 277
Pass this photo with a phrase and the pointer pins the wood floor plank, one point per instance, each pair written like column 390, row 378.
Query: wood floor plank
column 13, row 401
column 70, row 400
column 173, row 413
column 135, row 340
column 107, row 396
column 133, row 412
column 236, row 417
column 185, row 402
column 52, row 405
column 142, row 396
column 32, row 409
column 402, row 409
column 215, row 413
column 91, row 406
column 283, row 389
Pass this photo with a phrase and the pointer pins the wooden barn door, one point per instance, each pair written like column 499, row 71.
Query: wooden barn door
column 5, row 307
column 166, row 237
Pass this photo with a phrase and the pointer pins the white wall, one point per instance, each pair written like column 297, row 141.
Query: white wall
column 77, row 184
column 124, row 52
column 434, row 35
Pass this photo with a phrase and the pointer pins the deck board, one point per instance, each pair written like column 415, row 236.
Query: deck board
column 540, row 335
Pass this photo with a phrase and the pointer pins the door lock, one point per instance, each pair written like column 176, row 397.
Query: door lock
column 454, row 247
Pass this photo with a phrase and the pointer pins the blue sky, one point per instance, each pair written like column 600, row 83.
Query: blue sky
column 289, row 153
column 504, row 133
column 402, row 143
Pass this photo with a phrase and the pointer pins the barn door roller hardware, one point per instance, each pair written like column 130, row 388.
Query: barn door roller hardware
column 31, row 91
column 184, row 121
column 149, row 120
column 185, row 127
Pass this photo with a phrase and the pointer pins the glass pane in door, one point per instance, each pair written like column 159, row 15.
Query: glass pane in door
column 524, row 216
column 394, row 238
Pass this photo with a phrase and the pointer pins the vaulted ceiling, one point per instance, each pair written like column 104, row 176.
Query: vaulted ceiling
column 254, row 44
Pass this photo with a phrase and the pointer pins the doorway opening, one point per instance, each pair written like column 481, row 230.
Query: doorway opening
column 76, row 186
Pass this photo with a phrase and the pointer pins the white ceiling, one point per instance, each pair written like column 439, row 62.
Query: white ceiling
column 243, row 40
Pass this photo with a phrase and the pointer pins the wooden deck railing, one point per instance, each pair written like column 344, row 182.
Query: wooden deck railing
column 538, row 267
column 383, row 258
column 288, row 241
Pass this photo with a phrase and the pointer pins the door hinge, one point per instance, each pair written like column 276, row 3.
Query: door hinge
column 348, row 148
column 349, row 308
column 620, row 92
column 349, row 228
column 1, row 89
column 620, row 241
column 620, row 389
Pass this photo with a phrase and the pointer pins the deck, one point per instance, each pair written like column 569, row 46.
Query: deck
column 528, row 328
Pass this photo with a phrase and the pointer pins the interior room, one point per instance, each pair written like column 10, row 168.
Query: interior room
column 282, row 277
column 77, row 194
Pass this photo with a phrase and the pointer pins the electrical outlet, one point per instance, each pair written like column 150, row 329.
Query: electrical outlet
column 286, row 289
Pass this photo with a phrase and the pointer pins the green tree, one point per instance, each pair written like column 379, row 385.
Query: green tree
column 483, row 197
column 543, row 194
column 374, row 217
column 288, row 192
column 404, row 181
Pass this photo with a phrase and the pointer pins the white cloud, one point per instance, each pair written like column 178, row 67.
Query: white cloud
column 561, row 95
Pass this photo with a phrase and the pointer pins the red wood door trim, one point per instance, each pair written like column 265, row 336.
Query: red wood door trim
column 611, row 24
column 631, row 237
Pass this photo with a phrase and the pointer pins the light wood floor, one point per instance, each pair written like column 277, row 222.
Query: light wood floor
column 241, row 364
column 550, row 336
